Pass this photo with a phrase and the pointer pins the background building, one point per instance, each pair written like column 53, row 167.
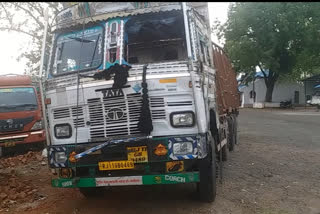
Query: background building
column 282, row 91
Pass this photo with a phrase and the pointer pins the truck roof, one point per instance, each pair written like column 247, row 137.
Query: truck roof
column 14, row 80
column 75, row 13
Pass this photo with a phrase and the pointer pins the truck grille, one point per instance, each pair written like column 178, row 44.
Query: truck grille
column 180, row 103
column 119, row 116
column 80, row 121
column 157, row 108
column 63, row 113
column 16, row 124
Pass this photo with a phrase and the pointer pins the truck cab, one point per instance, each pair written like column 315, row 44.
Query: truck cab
column 131, row 93
column 20, row 114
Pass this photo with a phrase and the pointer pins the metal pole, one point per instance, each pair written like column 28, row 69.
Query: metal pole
column 253, row 91
column 305, row 95
column 44, row 115
column 199, row 100
column 186, row 28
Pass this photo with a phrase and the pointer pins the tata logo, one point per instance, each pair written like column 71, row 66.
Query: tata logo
column 115, row 114
column 112, row 92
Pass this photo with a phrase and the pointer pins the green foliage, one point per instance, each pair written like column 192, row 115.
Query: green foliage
column 280, row 36
column 27, row 18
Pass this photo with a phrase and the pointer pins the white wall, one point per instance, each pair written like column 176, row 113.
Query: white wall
column 282, row 91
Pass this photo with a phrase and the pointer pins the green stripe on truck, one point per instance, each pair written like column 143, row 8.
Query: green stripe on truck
column 190, row 177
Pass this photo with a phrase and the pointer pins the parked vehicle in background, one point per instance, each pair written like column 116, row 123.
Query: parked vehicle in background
column 286, row 104
column 315, row 99
column 20, row 115
column 133, row 97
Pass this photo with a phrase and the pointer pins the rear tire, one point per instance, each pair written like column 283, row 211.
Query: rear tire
column 231, row 135
column 235, row 129
column 225, row 152
column 207, row 167
column 225, row 149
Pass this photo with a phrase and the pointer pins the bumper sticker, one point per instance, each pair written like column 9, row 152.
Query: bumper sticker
column 189, row 177
column 119, row 181
column 138, row 154
column 174, row 166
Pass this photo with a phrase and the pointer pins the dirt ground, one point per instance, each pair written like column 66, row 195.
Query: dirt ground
column 274, row 170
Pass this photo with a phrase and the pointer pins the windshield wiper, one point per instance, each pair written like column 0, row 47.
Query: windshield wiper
column 81, row 40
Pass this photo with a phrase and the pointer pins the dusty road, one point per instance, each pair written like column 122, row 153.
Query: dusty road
column 274, row 170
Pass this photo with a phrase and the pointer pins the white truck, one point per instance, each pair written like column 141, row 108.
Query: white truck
column 130, row 95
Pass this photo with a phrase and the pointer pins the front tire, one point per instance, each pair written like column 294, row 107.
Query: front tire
column 207, row 186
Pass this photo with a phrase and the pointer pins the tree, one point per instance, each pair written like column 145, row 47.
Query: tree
column 277, row 36
column 27, row 18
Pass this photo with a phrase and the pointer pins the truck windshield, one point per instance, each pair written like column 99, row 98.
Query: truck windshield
column 17, row 99
column 80, row 50
column 156, row 38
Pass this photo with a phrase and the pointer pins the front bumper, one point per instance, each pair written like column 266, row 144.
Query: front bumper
column 119, row 151
column 22, row 138
column 190, row 177
column 154, row 169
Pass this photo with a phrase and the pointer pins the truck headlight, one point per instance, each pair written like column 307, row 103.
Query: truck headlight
column 38, row 125
column 182, row 148
column 182, row 119
column 60, row 157
column 62, row 130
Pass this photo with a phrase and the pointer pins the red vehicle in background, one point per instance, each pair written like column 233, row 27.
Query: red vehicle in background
column 21, row 123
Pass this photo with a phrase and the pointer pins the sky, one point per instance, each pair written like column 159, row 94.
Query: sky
column 13, row 43
column 218, row 10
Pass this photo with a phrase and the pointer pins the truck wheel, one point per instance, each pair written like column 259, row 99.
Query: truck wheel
column 235, row 129
column 91, row 192
column 225, row 151
column 207, row 186
column 213, row 124
column 231, row 137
